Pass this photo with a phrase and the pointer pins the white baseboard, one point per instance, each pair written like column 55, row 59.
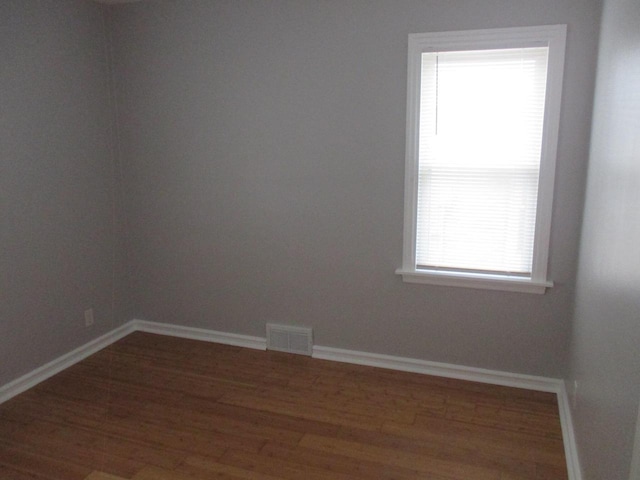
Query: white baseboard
column 493, row 377
column 257, row 343
column 40, row 374
column 568, row 434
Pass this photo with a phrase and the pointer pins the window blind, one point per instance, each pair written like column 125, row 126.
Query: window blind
column 480, row 139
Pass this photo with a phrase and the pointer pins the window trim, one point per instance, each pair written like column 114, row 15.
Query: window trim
column 553, row 36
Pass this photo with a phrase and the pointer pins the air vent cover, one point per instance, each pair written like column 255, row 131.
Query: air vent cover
column 286, row 338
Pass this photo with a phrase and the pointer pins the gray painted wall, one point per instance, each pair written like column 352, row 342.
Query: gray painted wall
column 263, row 151
column 606, row 332
column 58, row 238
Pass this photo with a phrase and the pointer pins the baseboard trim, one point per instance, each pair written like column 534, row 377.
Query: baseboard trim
column 40, row 374
column 256, row 343
column 425, row 367
column 494, row 377
column 568, row 434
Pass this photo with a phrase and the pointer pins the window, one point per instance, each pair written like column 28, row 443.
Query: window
column 483, row 110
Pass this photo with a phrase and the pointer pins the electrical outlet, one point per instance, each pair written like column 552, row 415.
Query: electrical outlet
column 88, row 317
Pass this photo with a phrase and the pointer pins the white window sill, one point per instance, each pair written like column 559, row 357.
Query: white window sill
column 475, row 280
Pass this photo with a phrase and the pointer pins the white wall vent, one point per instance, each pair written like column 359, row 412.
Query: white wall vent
column 290, row 339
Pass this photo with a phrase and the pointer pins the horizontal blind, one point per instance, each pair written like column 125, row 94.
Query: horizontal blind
column 481, row 120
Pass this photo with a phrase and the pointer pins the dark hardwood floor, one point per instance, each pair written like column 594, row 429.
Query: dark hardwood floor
column 152, row 407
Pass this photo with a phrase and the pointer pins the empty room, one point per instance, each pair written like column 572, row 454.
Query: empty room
column 319, row 239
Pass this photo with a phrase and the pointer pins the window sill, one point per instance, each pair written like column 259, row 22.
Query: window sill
column 474, row 280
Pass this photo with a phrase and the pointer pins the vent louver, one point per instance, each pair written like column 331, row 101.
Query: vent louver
column 286, row 338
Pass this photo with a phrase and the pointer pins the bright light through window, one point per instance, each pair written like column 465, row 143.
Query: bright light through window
column 483, row 111
column 481, row 118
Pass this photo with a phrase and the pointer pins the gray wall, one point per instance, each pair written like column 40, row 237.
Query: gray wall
column 58, row 238
column 263, row 151
column 606, row 332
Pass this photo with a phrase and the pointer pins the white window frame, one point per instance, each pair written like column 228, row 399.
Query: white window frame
column 553, row 36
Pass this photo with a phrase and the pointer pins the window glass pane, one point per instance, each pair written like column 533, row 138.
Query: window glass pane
column 480, row 134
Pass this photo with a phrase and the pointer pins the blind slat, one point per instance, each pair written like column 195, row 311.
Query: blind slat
column 481, row 118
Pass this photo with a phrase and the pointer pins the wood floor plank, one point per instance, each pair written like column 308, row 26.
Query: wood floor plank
column 95, row 475
column 505, row 419
column 476, row 453
column 303, row 406
column 487, row 441
column 283, row 468
column 229, row 427
column 13, row 474
column 157, row 473
column 300, row 462
column 206, row 468
column 162, row 408
column 40, row 464
column 429, row 465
